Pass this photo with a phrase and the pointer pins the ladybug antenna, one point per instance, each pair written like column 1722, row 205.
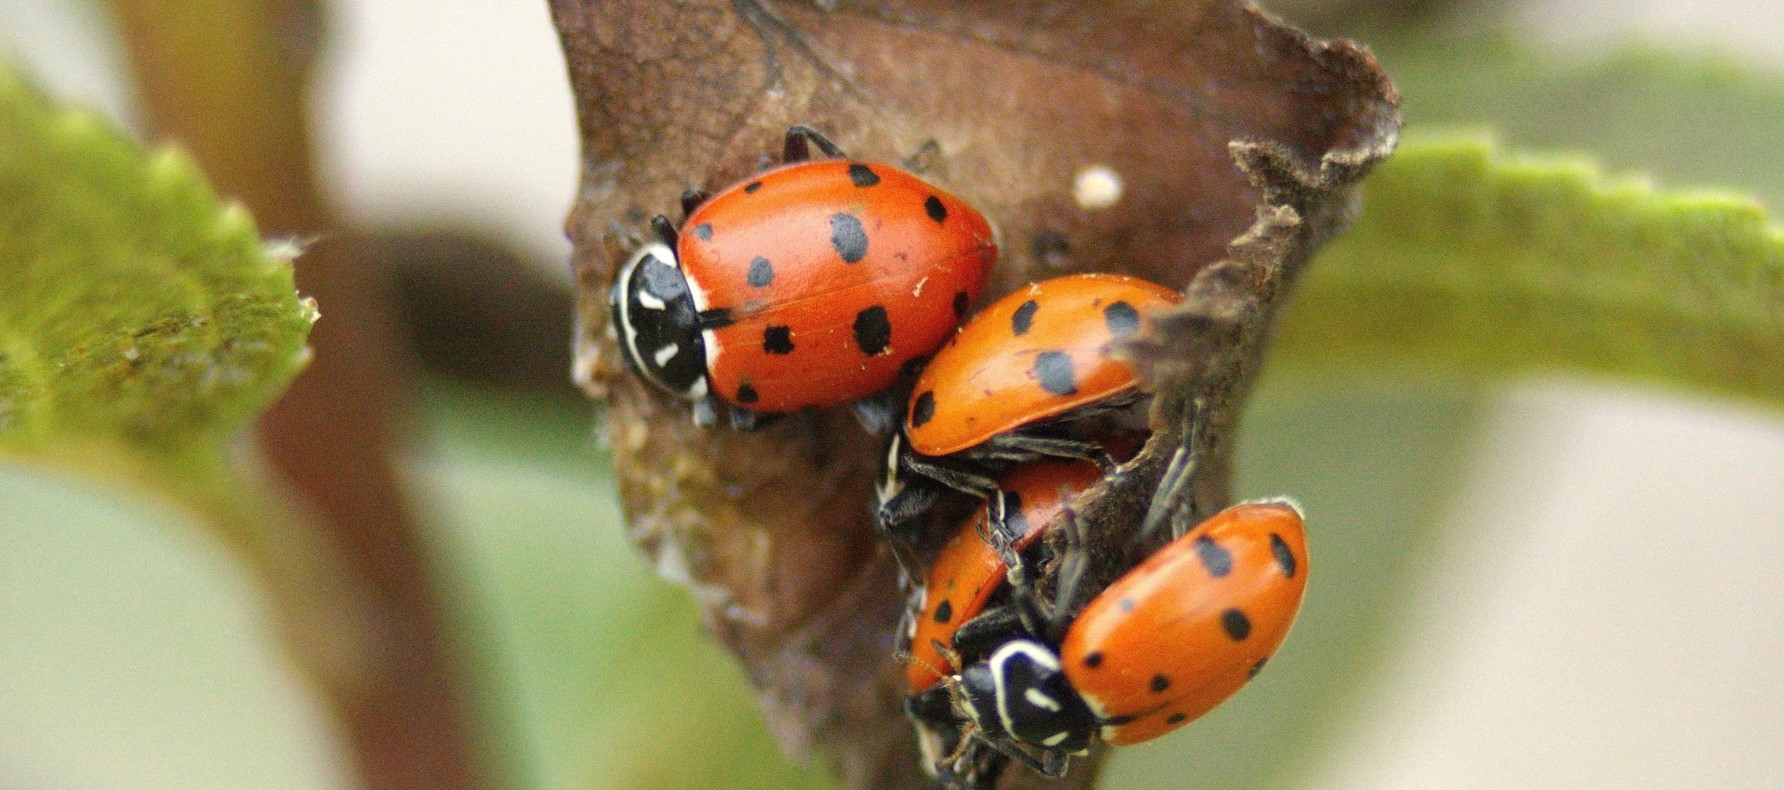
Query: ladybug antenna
column 1024, row 598
column 947, row 675
column 1174, row 481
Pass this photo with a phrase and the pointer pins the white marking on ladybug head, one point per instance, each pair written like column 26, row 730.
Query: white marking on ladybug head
column 1096, row 187
column 1035, row 653
column 1055, row 739
column 650, row 301
column 666, row 353
column 1039, row 699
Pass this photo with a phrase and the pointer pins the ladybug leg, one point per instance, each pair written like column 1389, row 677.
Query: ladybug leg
column 691, row 200
column 963, row 481
column 1174, row 481
column 1055, row 764
column 747, row 420
column 706, row 412
column 664, row 230
column 877, row 414
column 924, row 158
column 1019, row 445
column 799, row 140
column 1072, row 567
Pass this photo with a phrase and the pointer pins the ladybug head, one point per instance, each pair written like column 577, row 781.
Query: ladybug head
column 1021, row 693
column 659, row 328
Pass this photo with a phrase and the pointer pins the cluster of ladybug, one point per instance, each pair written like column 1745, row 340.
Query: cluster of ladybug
column 831, row 281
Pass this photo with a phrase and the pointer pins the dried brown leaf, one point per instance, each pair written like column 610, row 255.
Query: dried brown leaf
column 1234, row 139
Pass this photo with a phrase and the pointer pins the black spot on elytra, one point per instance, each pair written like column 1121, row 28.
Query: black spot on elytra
column 751, row 187
column 945, row 612
column 778, row 340
column 746, row 394
column 1053, row 369
column 961, row 302
column 873, row 330
column 703, row 231
column 862, row 175
column 761, row 272
column 1160, row 683
column 1093, row 659
column 1176, row 718
column 1237, row 625
column 1122, row 319
column 1285, row 559
column 934, row 208
column 1117, row 721
column 923, row 409
column 1256, row 668
column 1214, row 557
column 1125, row 604
column 1023, row 319
column 848, row 237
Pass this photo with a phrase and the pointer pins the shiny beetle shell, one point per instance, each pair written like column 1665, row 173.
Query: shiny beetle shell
column 818, row 283
column 1037, row 353
column 1184, row 630
column 968, row 571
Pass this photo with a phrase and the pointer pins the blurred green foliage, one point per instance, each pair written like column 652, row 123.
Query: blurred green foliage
column 136, row 310
column 1690, row 118
column 591, row 673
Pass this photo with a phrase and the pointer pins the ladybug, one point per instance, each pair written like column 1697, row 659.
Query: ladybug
column 1168, row 641
column 969, row 570
column 1011, row 384
column 813, row 284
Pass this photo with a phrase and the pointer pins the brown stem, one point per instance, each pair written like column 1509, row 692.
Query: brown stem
column 228, row 80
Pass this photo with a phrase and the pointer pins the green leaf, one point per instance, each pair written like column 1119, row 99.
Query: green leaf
column 1474, row 261
column 1687, row 117
column 135, row 310
column 593, row 672
column 1372, row 509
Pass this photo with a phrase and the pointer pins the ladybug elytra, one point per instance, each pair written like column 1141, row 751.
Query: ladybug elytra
column 1165, row 643
column 813, row 284
column 1010, row 382
column 969, row 570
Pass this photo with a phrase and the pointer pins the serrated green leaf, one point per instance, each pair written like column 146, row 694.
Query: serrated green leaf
column 1687, row 117
column 1471, row 260
column 135, row 309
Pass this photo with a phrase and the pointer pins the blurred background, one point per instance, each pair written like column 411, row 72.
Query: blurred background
column 1558, row 583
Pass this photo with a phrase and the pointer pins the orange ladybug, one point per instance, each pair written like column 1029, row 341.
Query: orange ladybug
column 1010, row 382
column 968, row 570
column 1167, row 642
column 813, row 284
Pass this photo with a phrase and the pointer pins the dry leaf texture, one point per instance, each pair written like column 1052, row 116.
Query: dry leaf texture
column 1232, row 139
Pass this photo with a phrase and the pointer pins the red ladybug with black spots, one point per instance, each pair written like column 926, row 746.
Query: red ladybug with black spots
column 1018, row 381
column 969, row 570
column 813, row 284
column 1168, row 641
